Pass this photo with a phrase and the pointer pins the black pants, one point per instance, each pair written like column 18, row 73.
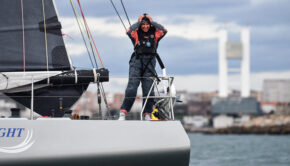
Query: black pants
column 140, row 73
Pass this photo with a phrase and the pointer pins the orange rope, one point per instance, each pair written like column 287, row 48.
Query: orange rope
column 91, row 35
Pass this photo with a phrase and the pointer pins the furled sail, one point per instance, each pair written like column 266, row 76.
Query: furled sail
column 62, row 92
column 30, row 37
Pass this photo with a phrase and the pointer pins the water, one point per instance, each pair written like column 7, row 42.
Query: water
column 239, row 150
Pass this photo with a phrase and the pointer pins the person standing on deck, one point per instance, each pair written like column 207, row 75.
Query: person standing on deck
column 145, row 36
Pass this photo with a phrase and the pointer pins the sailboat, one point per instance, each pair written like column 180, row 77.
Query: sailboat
column 36, row 71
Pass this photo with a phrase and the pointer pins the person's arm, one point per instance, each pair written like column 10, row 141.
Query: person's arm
column 160, row 31
column 132, row 32
column 159, row 27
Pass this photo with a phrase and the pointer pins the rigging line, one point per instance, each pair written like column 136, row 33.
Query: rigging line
column 105, row 97
column 45, row 36
column 118, row 14
column 90, row 34
column 87, row 34
column 126, row 13
column 99, row 97
column 23, row 37
column 82, row 34
column 101, row 88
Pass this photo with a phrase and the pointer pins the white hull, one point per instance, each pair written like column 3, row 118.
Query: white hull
column 88, row 142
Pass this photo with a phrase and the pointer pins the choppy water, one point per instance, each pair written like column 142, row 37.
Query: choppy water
column 239, row 150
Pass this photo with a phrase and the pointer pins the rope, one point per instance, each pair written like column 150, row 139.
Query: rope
column 90, row 34
column 118, row 14
column 45, row 36
column 105, row 97
column 77, row 16
column 23, row 37
column 126, row 13
column 64, row 34
column 93, row 50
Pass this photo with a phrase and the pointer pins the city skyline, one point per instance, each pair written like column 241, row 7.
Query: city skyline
column 201, row 83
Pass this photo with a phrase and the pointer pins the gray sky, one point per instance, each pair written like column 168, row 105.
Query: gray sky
column 191, row 46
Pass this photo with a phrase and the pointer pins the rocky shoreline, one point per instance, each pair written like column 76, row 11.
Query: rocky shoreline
column 280, row 130
column 279, row 125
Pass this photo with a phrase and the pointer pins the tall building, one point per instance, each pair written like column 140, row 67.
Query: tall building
column 234, row 50
column 237, row 102
column 276, row 91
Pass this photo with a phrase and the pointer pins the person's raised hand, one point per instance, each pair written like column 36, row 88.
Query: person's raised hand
column 149, row 17
column 142, row 16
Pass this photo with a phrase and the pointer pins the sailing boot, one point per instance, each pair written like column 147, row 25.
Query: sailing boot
column 123, row 114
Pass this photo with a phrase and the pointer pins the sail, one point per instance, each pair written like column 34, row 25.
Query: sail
column 32, row 51
column 24, row 45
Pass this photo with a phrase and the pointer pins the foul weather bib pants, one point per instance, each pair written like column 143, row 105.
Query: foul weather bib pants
column 140, row 72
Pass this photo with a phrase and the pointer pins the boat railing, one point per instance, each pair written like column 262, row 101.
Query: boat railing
column 162, row 86
column 167, row 95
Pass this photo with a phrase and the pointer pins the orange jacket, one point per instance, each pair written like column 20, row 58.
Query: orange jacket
column 132, row 32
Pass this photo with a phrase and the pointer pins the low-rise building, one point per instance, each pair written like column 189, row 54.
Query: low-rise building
column 235, row 106
column 223, row 121
column 276, row 91
column 196, row 121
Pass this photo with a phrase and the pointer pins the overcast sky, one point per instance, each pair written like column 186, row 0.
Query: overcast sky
column 191, row 45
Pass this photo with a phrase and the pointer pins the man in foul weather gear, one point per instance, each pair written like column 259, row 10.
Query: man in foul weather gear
column 145, row 36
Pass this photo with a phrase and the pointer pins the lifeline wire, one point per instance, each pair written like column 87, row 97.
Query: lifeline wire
column 118, row 14
column 86, row 24
column 82, row 35
column 126, row 12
